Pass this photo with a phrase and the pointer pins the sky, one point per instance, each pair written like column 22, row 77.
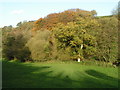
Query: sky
column 15, row 11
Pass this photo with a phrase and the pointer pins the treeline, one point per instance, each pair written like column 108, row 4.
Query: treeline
column 68, row 35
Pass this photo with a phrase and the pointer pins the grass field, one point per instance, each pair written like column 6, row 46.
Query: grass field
column 58, row 75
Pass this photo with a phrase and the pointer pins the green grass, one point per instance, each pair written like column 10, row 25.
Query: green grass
column 58, row 75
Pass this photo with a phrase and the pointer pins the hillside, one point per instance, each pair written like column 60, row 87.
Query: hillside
column 67, row 35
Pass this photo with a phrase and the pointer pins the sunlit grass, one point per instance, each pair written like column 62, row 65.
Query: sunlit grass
column 58, row 75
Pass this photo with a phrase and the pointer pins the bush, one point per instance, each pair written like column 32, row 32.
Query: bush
column 39, row 46
column 14, row 48
column 63, row 55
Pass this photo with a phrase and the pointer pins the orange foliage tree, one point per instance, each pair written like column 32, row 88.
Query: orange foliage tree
column 53, row 19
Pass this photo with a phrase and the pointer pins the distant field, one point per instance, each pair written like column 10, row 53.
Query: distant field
column 58, row 75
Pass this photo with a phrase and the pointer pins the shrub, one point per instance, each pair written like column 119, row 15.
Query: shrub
column 39, row 46
column 14, row 48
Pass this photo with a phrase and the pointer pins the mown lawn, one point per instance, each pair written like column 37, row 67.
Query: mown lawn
column 58, row 75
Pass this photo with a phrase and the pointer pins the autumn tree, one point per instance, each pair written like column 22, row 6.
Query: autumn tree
column 71, row 15
column 74, row 35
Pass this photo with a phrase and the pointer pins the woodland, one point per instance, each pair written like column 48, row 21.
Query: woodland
column 44, row 53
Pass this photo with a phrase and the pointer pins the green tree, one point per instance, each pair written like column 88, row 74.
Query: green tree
column 94, row 13
column 19, row 24
column 107, row 39
column 74, row 35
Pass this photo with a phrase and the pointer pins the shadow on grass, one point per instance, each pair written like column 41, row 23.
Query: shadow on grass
column 17, row 75
column 100, row 75
column 99, row 79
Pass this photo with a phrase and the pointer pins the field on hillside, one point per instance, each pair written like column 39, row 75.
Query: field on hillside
column 58, row 75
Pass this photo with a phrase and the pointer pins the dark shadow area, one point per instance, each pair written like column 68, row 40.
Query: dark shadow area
column 100, row 75
column 101, row 79
column 17, row 75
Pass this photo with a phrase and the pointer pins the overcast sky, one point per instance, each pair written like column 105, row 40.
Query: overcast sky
column 14, row 11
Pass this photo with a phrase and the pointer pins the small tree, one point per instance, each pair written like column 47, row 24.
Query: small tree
column 19, row 24
column 94, row 13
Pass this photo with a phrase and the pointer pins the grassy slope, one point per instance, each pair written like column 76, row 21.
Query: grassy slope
column 47, row 75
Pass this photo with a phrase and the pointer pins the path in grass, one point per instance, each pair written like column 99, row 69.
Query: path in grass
column 55, row 75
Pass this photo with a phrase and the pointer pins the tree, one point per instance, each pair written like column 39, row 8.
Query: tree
column 94, row 13
column 116, row 10
column 75, row 34
column 20, row 23
column 107, row 39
